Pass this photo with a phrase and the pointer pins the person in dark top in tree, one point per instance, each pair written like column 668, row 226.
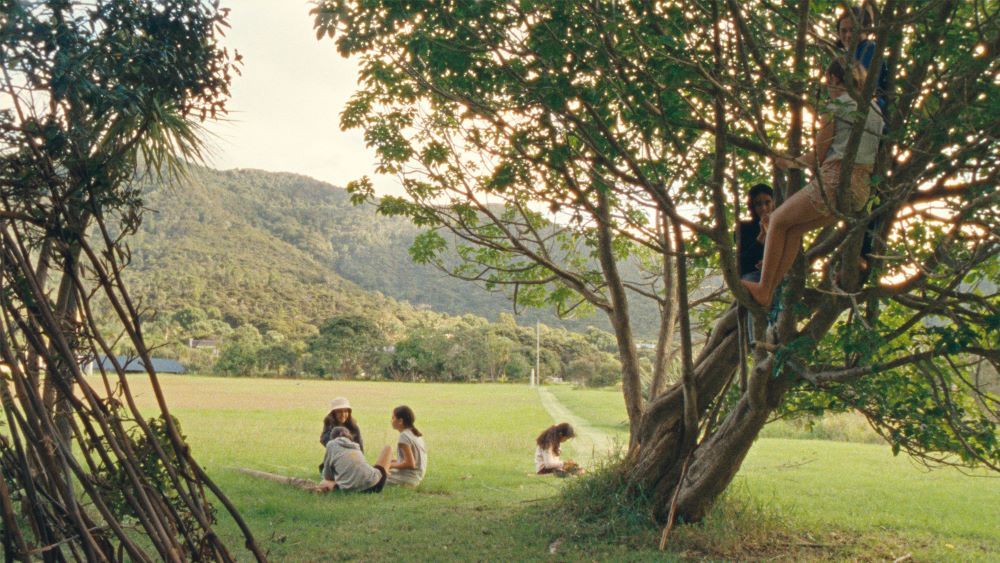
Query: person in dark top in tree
column 750, row 235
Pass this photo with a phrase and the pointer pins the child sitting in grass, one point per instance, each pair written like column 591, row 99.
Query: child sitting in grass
column 340, row 415
column 345, row 468
column 547, row 453
column 411, row 453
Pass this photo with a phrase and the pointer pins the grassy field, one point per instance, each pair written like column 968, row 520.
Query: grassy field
column 793, row 498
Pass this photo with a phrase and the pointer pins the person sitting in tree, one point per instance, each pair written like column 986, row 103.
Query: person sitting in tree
column 810, row 208
column 862, row 19
column 750, row 235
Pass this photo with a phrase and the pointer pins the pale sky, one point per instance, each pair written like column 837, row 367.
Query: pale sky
column 285, row 108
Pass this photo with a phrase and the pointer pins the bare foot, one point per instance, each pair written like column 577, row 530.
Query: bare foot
column 759, row 294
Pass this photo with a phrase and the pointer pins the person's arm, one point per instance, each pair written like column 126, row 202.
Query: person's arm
column 739, row 248
column 408, row 461
column 325, row 486
column 743, row 264
column 356, row 430
column 824, row 138
column 551, row 460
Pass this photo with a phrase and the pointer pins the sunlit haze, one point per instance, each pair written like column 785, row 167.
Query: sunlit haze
column 284, row 110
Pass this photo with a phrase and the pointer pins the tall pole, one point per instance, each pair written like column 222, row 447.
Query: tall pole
column 538, row 365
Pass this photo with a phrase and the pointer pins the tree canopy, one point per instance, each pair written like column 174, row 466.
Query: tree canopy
column 547, row 141
column 91, row 95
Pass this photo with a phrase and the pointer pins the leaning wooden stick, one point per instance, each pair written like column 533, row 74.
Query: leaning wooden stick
column 304, row 484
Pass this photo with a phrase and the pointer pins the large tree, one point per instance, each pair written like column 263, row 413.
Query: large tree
column 544, row 142
column 92, row 95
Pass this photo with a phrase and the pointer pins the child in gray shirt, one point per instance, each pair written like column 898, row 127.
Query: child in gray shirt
column 344, row 466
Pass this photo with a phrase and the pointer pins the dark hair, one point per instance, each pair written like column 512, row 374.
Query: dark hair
column 330, row 421
column 405, row 413
column 755, row 191
column 837, row 70
column 858, row 13
column 552, row 436
column 340, row 431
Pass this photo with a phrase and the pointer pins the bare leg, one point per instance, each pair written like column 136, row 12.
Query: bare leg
column 788, row 224
column 793, row 242
column 383, row 457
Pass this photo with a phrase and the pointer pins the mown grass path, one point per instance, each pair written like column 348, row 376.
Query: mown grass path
column 588, row 438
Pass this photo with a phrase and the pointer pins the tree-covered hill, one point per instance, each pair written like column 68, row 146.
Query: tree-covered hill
column 285, row 252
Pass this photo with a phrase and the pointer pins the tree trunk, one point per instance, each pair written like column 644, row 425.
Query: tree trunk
column 668, row 315
column 655, row 465
column 619, row 317
column 715, row 462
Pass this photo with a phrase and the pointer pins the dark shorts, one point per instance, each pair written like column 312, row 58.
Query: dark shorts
column 377, row 487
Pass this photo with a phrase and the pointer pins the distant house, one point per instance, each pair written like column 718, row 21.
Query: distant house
column 209, row 343
column 160, row 365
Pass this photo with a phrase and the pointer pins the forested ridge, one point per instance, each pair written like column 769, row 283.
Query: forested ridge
column 282, row 251
column 280, row 274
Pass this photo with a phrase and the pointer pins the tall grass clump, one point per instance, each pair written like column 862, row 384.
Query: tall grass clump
column 602, row 504
column 737, row 526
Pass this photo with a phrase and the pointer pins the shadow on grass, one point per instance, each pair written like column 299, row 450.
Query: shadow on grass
column 596, row 514
column 592, row 518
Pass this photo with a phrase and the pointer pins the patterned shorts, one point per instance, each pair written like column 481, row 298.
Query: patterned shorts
column 856, row 192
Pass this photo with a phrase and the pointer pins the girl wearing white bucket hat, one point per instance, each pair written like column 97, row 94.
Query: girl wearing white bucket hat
column 340, row 417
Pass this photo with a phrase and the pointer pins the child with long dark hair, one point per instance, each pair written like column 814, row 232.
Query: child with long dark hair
column 547, row 453
column 410, row 464
column 340, row 416
column 749, row 235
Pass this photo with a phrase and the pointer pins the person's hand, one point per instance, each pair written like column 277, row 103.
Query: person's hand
column 326, row 486
column 764, row 222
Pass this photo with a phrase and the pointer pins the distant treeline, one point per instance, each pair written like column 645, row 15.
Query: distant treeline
column 466, row 348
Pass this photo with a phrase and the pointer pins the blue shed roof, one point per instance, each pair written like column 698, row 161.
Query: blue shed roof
column 160, row 365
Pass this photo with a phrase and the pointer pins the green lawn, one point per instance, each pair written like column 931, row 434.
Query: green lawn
column 820, row 499
column 860, row 488
column 603, row 408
